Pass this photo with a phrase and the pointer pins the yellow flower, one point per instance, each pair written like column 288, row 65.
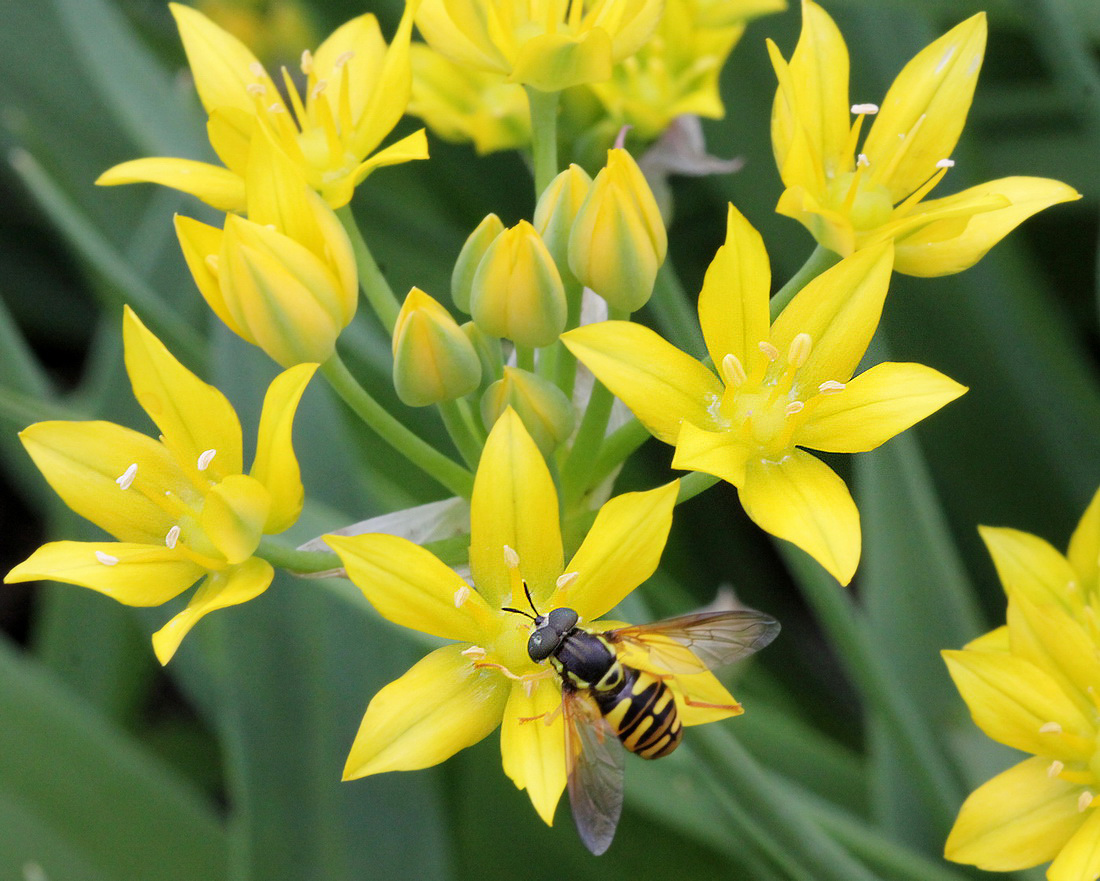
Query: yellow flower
column 849, row 197
column 356, row 90
column 780, row 387
column 284, row 279
column 1035, row 686
column 433, row 360
column 547, row 44
column 460, row 693
column 181, row 507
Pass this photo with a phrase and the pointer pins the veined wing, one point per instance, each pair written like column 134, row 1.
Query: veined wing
column 594, row 760
column 702, row 641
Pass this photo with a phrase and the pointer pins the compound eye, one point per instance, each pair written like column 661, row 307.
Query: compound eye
column 562, row 620
column 541, row 644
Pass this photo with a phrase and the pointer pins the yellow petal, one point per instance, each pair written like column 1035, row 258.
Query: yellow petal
column 233, row 516
column 88, row 463
column 1080, row 858
column 942, row 248
column 875, row 406
column 1011, row 699
column 194, row 417
column 831, row 229
column 1084, row 545
column 216, row 186
column 532, row 751
column 230, row 132
column 712, row 452
column 621, row 550
column 925, row 109
column 1020, row 818
column 552, row 62
column 440, row 706
column 701, row 698
column 1028, row 565
column 994, row 641
column 802, row 500
column 409, row 149
column 134, row 574
column 278, row 194
column 412, row 587
column 220, row 590
column 733, row 304
column 457, row 32
column 201, row 245
column 661, row 384
column 515, row 505
column 276, row 466
column 840, row 310
column 349, row 62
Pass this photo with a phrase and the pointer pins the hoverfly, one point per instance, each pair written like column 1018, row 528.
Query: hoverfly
column 607, row 702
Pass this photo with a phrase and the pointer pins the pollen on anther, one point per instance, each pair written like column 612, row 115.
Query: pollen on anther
column 1084, row 800
column 205, row 458
column 566, row 579
column 257, row 69
column 1050, row 728
column 794, row 408
column 126, row 479
column 1055, row 768
column 106, row 559
column 306, row 63
column 799, row 349
column 343, row 58
column 867, row 109
column 475, row 651
column 770, row 351
column 862, row 160
column 318, row 88
column 734, row 371
column 256, row 89
column 831, row 387
column 172, row 537
column 461, row 595
column 511, row 558
column 946, row 163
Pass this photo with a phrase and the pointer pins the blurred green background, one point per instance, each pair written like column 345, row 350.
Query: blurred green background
column 227, row 764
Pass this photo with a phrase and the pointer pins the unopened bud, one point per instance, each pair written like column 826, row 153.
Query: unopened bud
column 433, row 360
column 542, row 406
column 557, row 209
column 462, row 278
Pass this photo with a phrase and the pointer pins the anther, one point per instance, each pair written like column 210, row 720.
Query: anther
column 831, row 387
column 126, row 479
column 794, row 408
column 866, row 109
column 734, row 371
column 863, row 161
column 306, row 63
column 799, row 350
column 511, row 558
column 529, row 686
column 256, row 90
column 1055, row 768
column 257, row 69
column 566, row 579
column 946, row 163
column 461, row 595
column 343, row 58
column 276, row 108
column 1084, row 800
column 205, row 458
column 475, row 651
column 1050, row 728
column 172, row 537
column 106, row 559
column 318, row 89
column 770, row 351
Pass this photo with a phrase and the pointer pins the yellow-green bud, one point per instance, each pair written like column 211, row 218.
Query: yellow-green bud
column 543, row 407
column 433, row 360
column 517, row 291
column 488, row 350
column 462, row 278
column 618, row 241
column 557, row 209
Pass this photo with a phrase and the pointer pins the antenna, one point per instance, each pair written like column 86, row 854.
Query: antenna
column 527, row 592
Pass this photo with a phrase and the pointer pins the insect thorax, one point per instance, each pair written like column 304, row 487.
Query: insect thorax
column 587, row 660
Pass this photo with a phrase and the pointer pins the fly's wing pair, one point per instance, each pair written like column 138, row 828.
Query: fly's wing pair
column 703, row 641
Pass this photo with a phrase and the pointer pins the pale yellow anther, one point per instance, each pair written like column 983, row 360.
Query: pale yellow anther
column 770, row 351
column 461, row 595
column 106, row 559
column 529, row 686
column 1050, row 728
column 1055, row 768
column 799, row 349
column 734, row 371
column 126, row 479
column 276, row 108
column 475, row 651
column 306, row 64
column 511, row 558
column 318, row 89
column 256, row 69
column 794, row 408
column 862, row 160
column 205, row 458
column 256, row 90
column 343, row 58
column 946, row 163
column 865, row 109
column 1084, row 800
column 831, row 387
column 566, row 579
column 172, row 537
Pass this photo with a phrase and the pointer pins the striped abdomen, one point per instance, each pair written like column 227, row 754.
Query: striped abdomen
column 643, row 713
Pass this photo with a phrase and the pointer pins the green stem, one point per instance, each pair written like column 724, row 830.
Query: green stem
column 578, row 467
column 422, row 454
column 849, row 635
column 693, row 484
column 544, row 136
column 674, row 316
column 458, row 424
column 21, row 410
column 302, row 562
column 820, row 260
column 617, row 448
column 371, row 280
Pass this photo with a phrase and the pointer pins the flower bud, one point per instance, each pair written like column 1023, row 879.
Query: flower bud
column 543, row 407
column 433, row 360
column 462, row 278
column 557, row 209
column 618, row 240
column 487, row 348
column 517, row 291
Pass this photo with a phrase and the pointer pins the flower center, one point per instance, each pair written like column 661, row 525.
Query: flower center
column 867, row 204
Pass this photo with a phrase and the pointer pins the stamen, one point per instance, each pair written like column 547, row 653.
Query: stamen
column 276, row 108
column 946, row 163
column 256, row 90
column 794, row 408
column 868, row 109
column 529, row 686
column 106, row 559
column 799, row 350
column 257, row 69
column 306, row 63
column 126, row 479
column 172, row 537
column 566, row 579
column 831, row 387
column 734, row 371
column 862, row 161
column 1050, row 728
column 1055, row 768
column 1084, row 801
column 461, row 595
column 511, row 558
column 770, row 351
column 343, row 58
column 318, row 89
column 205, row 458
column 475, row 651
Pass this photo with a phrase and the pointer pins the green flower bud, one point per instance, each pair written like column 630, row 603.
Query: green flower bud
column 618, row 240
column 433, row 360
column 488, row 351
column 462, row 278
column 543, row 407
column 557, row 209
column 517, row 291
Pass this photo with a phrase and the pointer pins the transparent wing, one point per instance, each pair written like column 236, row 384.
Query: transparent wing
column 594, row 761
column 693, row 643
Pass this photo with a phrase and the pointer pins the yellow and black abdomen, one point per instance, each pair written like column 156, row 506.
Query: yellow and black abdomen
column 642, row 711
